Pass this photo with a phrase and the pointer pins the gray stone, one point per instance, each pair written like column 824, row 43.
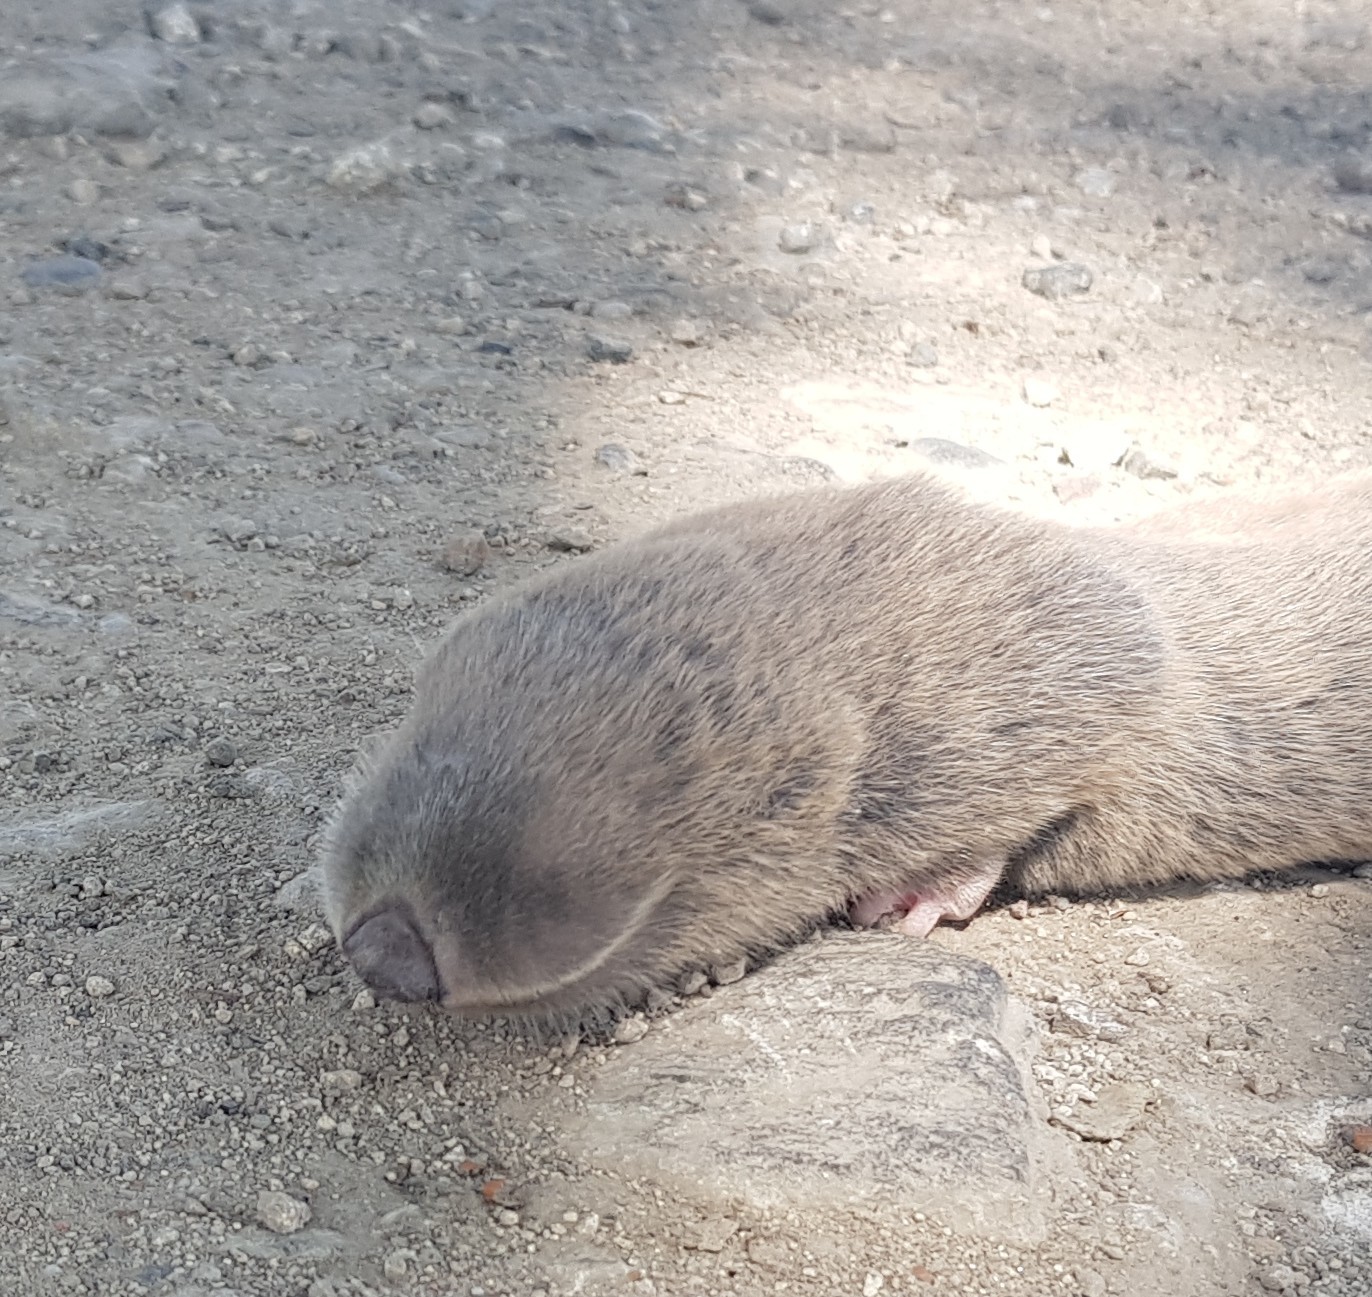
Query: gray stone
column 1058, row 281
column 599, row 347
column 71, row 273
column 939, row 450
column 1354, row 175
column 1117, row 1109
column 617, row 458
column 860, row 1070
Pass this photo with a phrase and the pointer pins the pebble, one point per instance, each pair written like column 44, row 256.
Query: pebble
column 363, row 1001
column 345, row 1080
column 176, row 25
column 1041, row 247
column 872, row 1284
column 1354, row 175
column 281, row 1213
column 939, row 450
column 617, row 458
column 1146, row 467
column 99, row 988
column 1363, row 871
column 611, row 310
column 797, row 239
column 686, row 333
column 1039, row 392
column 570, row 539
column 1359, row 1139
column 1320, row 891
column 433, row 116
column 221, row 751
column 1117, row 1109
column 630, row 1030
column 1096, row 182
column 1057, row 282
column 616, row 351
column 365, row 169
column 726, row 974
column 1263, row 1084
column 1076, row 1019
column 923, row 355
column 1278, row 1278
column 83, row 191
column 465, row 554
column 73, row 274
column 1091, row 1283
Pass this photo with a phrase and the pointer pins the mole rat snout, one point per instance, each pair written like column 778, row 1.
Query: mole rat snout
column 392, row 956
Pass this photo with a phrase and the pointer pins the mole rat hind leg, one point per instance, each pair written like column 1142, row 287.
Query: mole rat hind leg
column 916, row 911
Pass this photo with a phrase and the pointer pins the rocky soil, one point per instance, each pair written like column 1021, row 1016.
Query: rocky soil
column 320, row 321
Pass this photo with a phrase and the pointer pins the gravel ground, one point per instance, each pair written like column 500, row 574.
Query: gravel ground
column 318, row 322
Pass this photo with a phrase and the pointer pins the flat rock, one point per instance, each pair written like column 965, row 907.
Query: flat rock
column 73, row 829
column 859, row 1070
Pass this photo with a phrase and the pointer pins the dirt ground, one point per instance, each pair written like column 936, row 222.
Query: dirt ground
column 320, row 321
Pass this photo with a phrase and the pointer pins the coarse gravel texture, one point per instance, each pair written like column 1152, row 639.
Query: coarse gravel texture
column 320, row 321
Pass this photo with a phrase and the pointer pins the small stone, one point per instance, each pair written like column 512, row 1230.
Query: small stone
column 396, row 1264
column 1263, row 1084
column 1091, row 1284
column 1138, row 959
column 99, row 988
column 1363, row 871
column 136, row 155
column 126, row 288
column 1232, row 1036
column 364, row 170
column 872, row 1284
column 221, row 751
column 1019, row 909
column 176, row 25
column 727, row 974
column 1039, row 392
column 363, row 1001
column 1096, row 182
column 247, row 355
column 686, row 333
column 433, row 116
column 940, row 450
column 1118, row 1108
column 570, row 540
column 630, row 1030
column 345, row 1080
column 1041, row 247
column 1144, row 466
column 1278, row 1278
column 1077, row 1019
column 83, row 191
column 314, row 938
column 70, row 274
column 617, row 458
column 281, row 1213
column 1320, row 891
column 1354, row 175
column 614, row 350
column 1058, row 281
column 692, row 983
column 768, row 12
column 465, row 554
column 669, row 396
column 611, row 310
column 862, row 213
column 797, row 239
column 923, row 355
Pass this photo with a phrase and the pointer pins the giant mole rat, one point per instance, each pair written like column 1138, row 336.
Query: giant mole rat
column 692, row 746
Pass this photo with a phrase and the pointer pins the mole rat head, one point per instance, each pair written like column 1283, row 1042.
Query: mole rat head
column 479, row 890
column 600, row 788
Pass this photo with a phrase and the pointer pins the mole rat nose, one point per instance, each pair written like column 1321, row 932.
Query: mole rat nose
column 391, row 955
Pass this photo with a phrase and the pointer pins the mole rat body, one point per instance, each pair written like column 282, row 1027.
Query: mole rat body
column 693, row 746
